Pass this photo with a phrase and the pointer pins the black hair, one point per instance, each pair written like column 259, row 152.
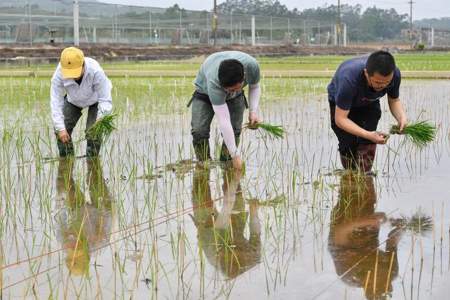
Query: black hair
column 231, row 72
column 381, row 62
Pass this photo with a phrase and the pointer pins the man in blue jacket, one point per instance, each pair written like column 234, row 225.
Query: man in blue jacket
column 354, row 96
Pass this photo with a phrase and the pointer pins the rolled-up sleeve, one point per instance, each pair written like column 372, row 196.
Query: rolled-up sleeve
column 57, row 101
column 103, row 86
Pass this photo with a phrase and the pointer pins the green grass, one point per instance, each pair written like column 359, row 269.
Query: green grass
column 138, row 97
column 406, row 62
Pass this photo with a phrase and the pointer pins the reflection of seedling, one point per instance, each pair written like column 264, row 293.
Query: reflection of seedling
column 103, row 127
column 274, row 131
column 419, row 133
column 418, row 223
column 150, row 176
column 270, row 202
column 181, row 167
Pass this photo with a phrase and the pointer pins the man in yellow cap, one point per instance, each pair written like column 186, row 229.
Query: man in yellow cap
column 77, row 83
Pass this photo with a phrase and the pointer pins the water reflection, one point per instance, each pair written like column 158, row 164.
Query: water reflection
column 354, row 241
column 84, row 225
column 1, row 270
column 221, row 234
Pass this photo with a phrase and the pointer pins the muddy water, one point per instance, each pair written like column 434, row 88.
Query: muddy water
column 139, row 224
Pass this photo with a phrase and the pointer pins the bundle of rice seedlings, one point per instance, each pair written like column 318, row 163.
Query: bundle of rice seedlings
column 275, row 131
column 102, row 128
column 419, row 223
column 419, row 133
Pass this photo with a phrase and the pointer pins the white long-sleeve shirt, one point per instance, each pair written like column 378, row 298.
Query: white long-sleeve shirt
column 224, row 120
column 95, row 87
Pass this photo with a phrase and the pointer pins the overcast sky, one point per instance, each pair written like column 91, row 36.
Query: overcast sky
column 421, row 8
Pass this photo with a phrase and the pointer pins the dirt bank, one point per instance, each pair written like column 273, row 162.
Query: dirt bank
column 17, row 53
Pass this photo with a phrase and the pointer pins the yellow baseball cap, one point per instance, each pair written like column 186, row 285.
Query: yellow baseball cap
column 72, row 60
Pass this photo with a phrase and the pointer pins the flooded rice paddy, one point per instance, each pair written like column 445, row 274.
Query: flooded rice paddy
column 144, row 221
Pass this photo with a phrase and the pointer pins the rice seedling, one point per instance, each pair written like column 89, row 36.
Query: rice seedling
column 419, row 133
column 274, row 202
column 103, row 127
column 272, row 131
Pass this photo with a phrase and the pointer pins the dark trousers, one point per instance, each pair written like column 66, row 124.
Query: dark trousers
column 72, row 114
column 366, row 117
column 202, row 115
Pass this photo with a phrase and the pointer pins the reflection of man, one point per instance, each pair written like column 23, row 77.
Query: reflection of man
column 353, row 239
column 1, row 271
column 84, row 227
column 221, row 234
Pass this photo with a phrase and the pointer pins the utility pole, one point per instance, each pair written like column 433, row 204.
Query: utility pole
column 253, row 31
column 338, row 25
column 150, row 24
column 410, row 20
column 30, row 25
column 231, row 27
column 76, row 24
column 214, row 24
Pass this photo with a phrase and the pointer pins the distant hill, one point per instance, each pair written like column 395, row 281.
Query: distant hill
column 47, row 5
column 64, row 7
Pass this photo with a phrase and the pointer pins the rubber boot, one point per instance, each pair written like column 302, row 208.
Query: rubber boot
column 65, row 149
column 224, row 154
column 92, row 148
column 201, row 149
column 365, row 156
column 348, row 163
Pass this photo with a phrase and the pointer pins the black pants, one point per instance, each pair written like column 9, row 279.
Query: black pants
column 72, row 114
column 366, row 117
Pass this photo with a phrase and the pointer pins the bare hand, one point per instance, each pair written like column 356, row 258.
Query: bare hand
column 237, row 162
column 253, row 118
column 64, row 136
column 402, row 124
column 377, row 137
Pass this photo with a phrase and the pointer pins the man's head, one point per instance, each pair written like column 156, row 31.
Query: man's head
column 231, row 75
column 379, row 70
column 72, row 61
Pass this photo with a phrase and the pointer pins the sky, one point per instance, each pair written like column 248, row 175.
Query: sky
column 421, row 8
